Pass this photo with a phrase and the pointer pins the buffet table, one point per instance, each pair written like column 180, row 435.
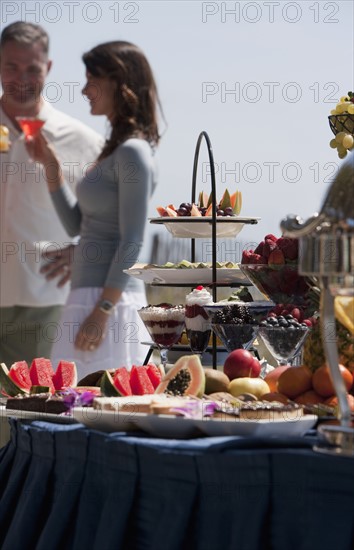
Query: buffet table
column 66, row 486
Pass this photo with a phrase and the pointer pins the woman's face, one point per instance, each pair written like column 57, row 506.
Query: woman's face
column 100, row 92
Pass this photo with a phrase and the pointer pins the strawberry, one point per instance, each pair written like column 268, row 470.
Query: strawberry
column 259, row 249
column 271, row 237
column 296, row 313
column 276, row 257
column 246, row 256
column 268, row 247
column 256, row 259
column 289, row 247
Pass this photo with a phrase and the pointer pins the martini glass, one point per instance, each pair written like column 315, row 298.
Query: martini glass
column 30, row 126
column 284, row 343
column 165, row 324
column 235, row 336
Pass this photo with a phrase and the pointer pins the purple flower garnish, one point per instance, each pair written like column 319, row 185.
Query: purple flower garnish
column 73, row 398
column 196, row 409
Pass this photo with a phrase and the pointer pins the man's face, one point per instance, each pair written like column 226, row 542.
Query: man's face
column 23, row 70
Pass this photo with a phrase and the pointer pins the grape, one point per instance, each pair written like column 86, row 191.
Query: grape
column 339, row 137
column 348, row 141
column 342, row 153
column 220, row 212
column 183, row 212
column 186, row 205
column 202, row 210
column 333, row 144
column 228, row 211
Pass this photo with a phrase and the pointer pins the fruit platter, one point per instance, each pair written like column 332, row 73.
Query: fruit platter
column 185, row 272
column 194, row 220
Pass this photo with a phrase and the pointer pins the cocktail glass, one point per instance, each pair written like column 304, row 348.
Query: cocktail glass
column 284, row 343
column 165, row 324
column 235, row 336
column 30, row 126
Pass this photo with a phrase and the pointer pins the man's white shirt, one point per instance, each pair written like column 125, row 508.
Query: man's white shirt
column 28, row 220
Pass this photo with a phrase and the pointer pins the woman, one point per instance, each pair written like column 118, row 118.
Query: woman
column 100, row 327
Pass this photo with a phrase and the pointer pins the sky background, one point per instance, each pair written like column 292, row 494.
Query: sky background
column 259, row 77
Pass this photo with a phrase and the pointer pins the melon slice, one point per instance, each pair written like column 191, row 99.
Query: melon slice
column 8, row 387
column 65, row 376
column 154, row 374
column 107, row 387
column 121, row 381
column 185, row 378
column 19, row 373
column 140, row 382
column 195, row 211
column 41, row 373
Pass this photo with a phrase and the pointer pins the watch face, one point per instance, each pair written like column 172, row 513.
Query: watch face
column 106, row 305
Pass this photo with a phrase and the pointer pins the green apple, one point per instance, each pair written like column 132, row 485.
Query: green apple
column 256, row 386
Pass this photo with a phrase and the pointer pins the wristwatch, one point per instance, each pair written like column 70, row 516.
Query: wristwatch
column 106, row 306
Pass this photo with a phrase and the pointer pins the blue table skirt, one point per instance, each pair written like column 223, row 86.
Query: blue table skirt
column 67, row 487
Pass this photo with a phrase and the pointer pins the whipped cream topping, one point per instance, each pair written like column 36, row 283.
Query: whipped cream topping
column 157, row 313
column 200, row 297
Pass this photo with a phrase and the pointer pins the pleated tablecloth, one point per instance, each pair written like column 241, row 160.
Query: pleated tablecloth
column 68, row 487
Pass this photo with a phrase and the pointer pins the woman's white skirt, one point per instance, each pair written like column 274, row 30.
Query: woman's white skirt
column 121, row 346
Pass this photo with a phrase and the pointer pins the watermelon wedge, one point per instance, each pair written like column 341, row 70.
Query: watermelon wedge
column 140, row 381
column 19, row 373
column 41, row 373
column 65, row 376
column 121, row 381
column 154, row 374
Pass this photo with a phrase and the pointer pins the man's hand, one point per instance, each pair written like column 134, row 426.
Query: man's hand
column 59, row 264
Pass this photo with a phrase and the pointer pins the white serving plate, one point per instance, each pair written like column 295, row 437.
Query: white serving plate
column 169, row 426
column 192, row 276
column 106, row 421
column 264, row 428
column 189, row 227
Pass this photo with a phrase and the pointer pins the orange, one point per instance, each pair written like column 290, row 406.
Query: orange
column 322, row 381
column 272, row 377
column 275, row 396
column 295, row 380
column 310, row 397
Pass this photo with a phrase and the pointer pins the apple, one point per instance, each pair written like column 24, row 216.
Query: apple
column 256, row 386
column 241, row 363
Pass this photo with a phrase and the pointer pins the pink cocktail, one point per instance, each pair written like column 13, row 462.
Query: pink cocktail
column 30, row 125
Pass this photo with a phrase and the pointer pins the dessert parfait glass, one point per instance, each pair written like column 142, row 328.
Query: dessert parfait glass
column 165, row 324
column 198, row 326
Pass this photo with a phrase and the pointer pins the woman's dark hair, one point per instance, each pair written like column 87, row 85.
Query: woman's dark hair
column 136, row 98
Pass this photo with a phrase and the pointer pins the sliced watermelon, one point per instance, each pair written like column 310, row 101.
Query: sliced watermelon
column 41, row 373
column 140, row 382
column 19, row 373
column 8, row 387
column 154, row 374
column 65, row 376
column 121, row 381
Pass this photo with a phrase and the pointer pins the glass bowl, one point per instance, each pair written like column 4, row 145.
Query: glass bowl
column 235, row 336
column 282, row 283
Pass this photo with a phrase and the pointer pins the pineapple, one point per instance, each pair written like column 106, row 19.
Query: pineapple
column 313, row 352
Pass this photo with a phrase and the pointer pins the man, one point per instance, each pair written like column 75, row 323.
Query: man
column 29, row 303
